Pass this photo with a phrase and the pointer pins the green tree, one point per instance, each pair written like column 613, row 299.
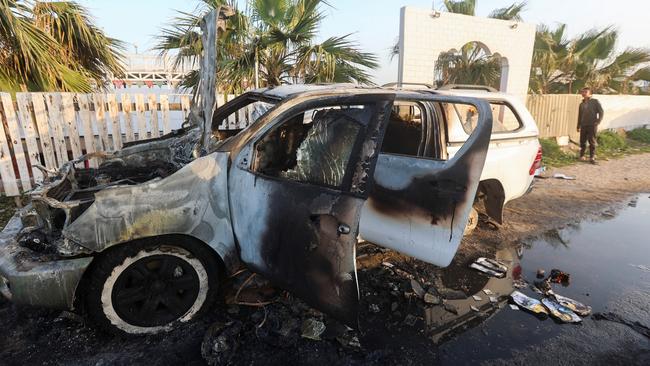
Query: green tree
column 563, row 65
column 53, row 46
column 274, row 37
column 472, row 65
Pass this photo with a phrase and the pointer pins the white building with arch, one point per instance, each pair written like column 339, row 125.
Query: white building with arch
column 425, row 34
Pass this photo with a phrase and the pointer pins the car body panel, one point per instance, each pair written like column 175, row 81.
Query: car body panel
column 30, row 279
column 510, row 154
column 287, row 231
column 420, row 206
column 192, row 201
column 303, row 236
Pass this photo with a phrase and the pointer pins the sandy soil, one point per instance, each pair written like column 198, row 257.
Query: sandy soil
column 36, row 336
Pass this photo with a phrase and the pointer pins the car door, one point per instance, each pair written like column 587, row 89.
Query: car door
column 296, row 193
column 420, row 206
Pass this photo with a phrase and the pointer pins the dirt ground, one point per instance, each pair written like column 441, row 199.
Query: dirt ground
column 392, row 327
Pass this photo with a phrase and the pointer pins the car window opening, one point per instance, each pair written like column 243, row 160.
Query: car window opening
column 313, row 147
column 404, row 133
column 504, row 118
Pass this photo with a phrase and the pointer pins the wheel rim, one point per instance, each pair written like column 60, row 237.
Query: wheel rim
column 155, row 290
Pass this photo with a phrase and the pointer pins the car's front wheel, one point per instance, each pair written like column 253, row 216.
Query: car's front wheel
column 145, row 287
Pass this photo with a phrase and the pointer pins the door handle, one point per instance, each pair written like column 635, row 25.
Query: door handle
column 343, row 229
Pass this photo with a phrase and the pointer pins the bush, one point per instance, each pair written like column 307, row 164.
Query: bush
column 640, row 134
column 611, row 141
column 552, row 154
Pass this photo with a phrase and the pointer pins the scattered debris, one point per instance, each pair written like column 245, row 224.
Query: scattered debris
column 410, row 320
column 451, row 308
column 542, row 287
column 520, row 283
column 560, row 312
column 575, row 306
column 558, row 276
column 563, row 176
column 417, row 288
column 70, row 316
column 432, row 299
column 541, row 273
column 477, row 298
column 494, row 299
column 474, row 308
column 387, row 264
column 487, row 291
column 348, row 339
column 528, row 303
column 312, row 329
column 221, row 342
column 491, row 267
column 451, row 294
column 404, row 274
column 513, row 306
column 641, row 267
column 492, row 264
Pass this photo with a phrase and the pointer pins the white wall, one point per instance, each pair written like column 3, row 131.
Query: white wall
column 423, row 38
column 625, row 111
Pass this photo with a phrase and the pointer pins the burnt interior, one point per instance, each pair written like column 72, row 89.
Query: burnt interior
column 81, row 184
column 313, row 147
column 404, row 132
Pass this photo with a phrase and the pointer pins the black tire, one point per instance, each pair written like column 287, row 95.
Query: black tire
column 148, row 286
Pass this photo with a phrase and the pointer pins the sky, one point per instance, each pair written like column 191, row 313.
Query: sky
column 374, row 24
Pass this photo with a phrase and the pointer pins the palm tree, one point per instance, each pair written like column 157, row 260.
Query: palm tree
column 270, row 39
column 468, row 7
column 562, row 65
column 48, row 46
column 472, row 65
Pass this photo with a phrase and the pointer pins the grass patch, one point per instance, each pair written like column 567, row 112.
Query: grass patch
column 553, row 155
column 610, row 146
column 640, row 135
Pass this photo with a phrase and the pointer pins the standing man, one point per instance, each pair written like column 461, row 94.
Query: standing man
column 589, row 116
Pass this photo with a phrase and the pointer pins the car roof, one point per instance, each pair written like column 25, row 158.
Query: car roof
column 285, row 91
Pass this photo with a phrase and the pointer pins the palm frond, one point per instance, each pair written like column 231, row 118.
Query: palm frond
column 512, row 12
column 319, row 62
column 467, row 7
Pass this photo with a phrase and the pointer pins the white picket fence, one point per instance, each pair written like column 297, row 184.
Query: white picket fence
column 52, row 128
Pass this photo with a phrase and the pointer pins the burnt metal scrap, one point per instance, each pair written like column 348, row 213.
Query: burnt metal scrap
column 284, row 197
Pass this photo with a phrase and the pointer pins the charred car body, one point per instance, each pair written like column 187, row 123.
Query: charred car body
column 142, row 240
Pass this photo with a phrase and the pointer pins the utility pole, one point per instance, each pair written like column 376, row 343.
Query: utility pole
column 257, row 69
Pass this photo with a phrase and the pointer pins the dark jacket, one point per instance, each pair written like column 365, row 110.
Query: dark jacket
column 590, row 113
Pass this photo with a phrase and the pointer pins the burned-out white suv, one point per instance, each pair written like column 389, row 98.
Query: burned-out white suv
column 514, row 154
column 142, row 241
